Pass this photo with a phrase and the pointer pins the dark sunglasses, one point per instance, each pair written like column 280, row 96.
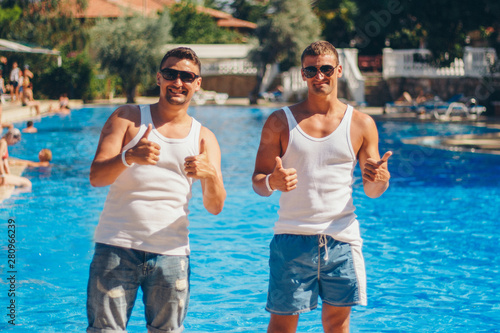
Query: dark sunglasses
column 170, row 74
column 311, row 71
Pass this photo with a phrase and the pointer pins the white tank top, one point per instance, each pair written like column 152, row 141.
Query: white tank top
column 322, row 202
column 147, row 205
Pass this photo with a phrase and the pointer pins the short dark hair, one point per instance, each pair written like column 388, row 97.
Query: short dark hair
column 29, row 123
column 319, row 48
column 182, row 53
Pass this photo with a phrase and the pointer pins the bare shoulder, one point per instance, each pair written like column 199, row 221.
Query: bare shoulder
column 363, row 120
column 363, row 131
column 122, row 125
column 211, row 144
column 127, row 113
column 277, row 121
column 209, row 137
column 126, row 118
column 278, row 114
column 206, row 134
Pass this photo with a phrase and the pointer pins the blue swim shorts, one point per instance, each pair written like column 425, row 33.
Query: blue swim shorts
column 303, row 267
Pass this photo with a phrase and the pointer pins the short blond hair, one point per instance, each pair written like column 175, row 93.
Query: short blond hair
column 45, row 155
column 319, row 48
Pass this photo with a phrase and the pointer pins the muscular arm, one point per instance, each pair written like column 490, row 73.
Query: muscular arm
column 375, row 172
column 268, row 160
column 207, row 167
column 107, row 164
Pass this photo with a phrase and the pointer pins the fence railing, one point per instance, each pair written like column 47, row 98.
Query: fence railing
column 293, row 84
column 416, row 63
column 227, row 67
column 351, row 74
column 272, row 71
column 478, row 61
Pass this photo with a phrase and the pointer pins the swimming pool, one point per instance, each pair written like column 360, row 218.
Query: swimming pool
column 430, row 241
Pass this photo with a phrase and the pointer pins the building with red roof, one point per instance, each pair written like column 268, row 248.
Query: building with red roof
column 117, row 8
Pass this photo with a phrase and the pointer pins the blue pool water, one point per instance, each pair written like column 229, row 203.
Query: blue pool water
column 431, row 241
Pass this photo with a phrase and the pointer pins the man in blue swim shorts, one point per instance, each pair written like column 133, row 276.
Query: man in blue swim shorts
column 308, row 151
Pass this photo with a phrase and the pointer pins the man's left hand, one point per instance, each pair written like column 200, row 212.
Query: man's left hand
column 376, row 171
column 199, row 166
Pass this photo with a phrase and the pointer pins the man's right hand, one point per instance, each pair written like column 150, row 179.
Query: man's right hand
column 283, row 179
column 145, row 152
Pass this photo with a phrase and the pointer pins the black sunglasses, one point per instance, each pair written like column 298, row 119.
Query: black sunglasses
column 170, row 74
column 311, row 71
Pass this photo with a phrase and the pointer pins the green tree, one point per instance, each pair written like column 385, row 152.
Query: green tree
column 46, row 23
column 9, row 17
column 441, row 26
column 193, row 27
column 130, row 47
column 74, row 78
column 337, row 19
column 49, row 23
column 446, row 23
column 373, row 22
column 284, row 33
column 248, row 10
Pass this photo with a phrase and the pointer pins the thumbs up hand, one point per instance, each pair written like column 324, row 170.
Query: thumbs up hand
column 199, row 166
column 145, row 152
column 376, row 171
column 283, row 179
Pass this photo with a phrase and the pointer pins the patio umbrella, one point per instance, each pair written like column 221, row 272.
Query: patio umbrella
column 7, row 45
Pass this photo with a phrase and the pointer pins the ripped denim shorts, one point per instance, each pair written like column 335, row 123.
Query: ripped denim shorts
column 115, row 276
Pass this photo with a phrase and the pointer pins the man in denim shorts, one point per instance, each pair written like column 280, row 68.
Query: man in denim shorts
column 151, row 155
column 308, row 151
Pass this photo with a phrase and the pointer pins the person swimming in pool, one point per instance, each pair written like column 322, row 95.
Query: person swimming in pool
column 44, row 158
column 151, row 155
column 308, row 151
column 30, row 127
column 10, row 138
column 62, row 107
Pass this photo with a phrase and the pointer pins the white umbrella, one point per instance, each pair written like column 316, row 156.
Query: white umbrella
column 7, row 45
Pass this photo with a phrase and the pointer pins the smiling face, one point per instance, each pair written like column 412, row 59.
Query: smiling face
column 178, row 92
column 321, row 84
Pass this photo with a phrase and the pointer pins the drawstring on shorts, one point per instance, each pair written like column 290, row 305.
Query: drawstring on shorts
column 324, row 242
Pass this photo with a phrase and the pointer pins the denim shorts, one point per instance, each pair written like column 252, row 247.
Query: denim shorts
column 303, row 267
column 115, row 276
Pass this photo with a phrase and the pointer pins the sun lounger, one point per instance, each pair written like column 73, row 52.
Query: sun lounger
column 468, row 109
column 202, row 96
column 405, row 103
